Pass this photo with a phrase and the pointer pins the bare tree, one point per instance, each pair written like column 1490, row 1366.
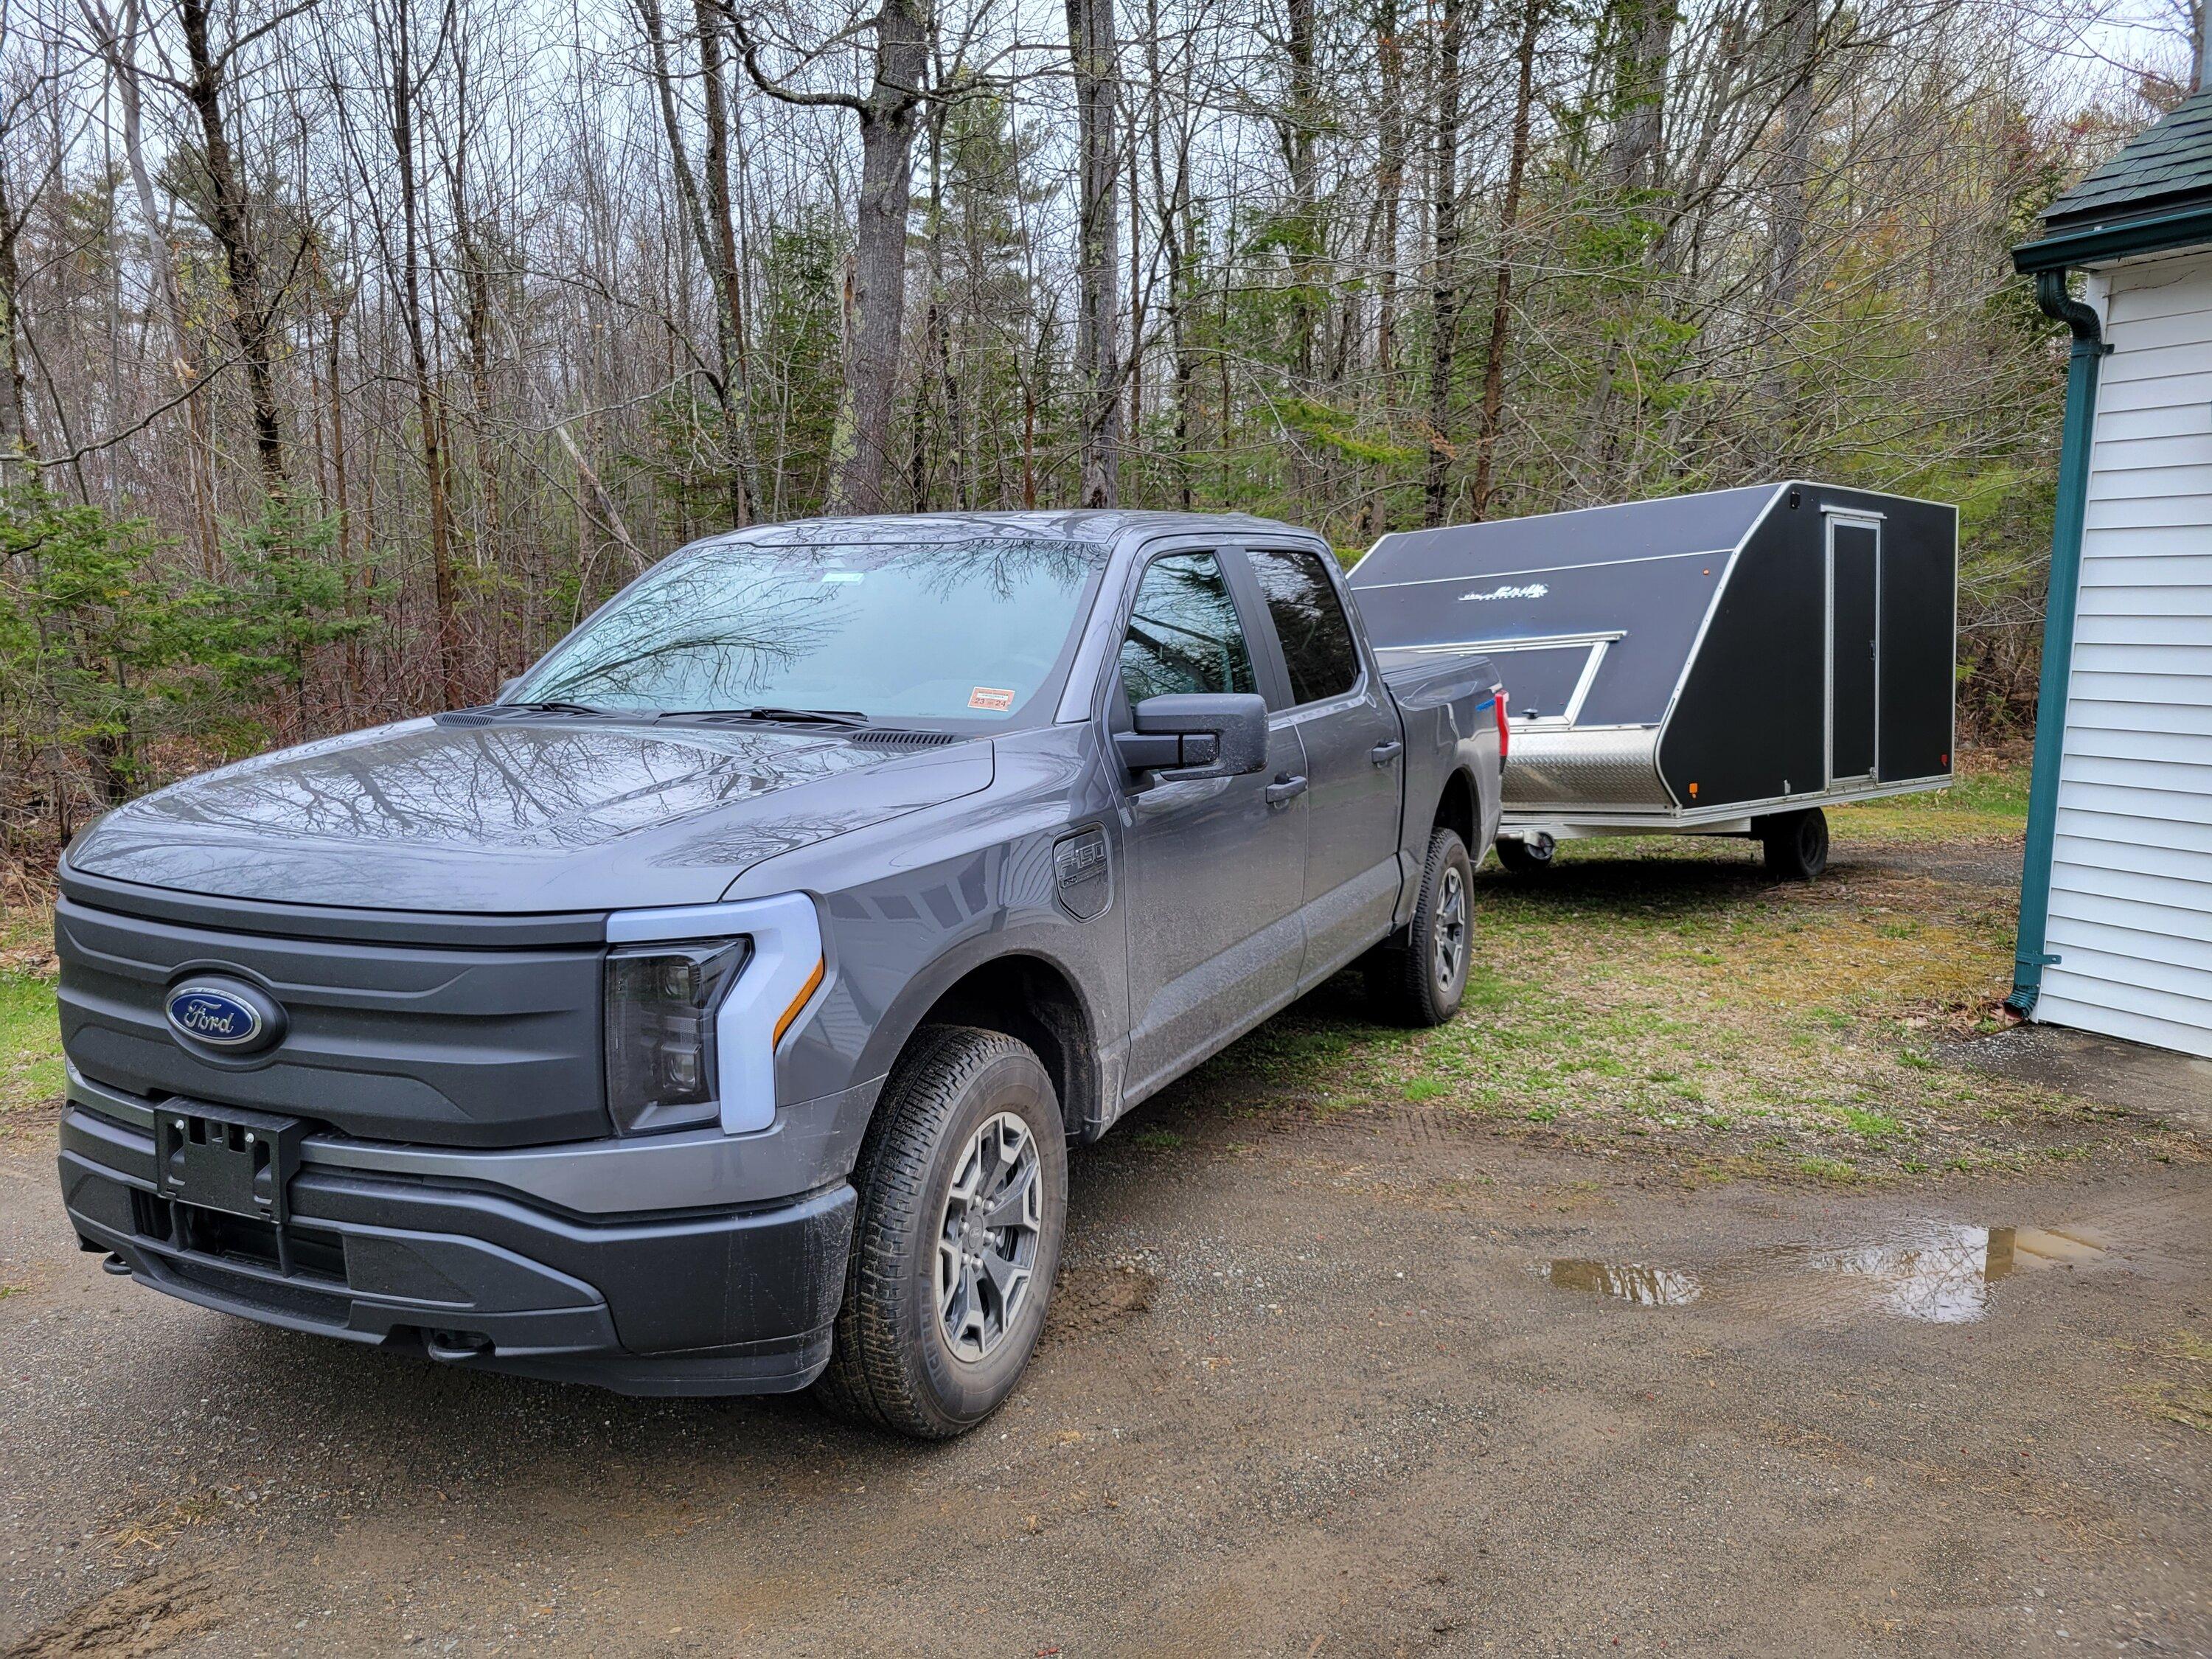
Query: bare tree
column 229, row 217
column 1444, row 278
column 1095, row 67
column 861, row 446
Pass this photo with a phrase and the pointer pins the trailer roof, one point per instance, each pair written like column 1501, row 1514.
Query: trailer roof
column 1711, row 522
column 1593, row 613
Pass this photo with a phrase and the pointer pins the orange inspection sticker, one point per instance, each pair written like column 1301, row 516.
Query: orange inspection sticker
column 989, row 697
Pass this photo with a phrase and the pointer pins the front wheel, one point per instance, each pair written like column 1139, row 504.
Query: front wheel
column 1795, row 844
column 1418, row 978
column 964, row 1201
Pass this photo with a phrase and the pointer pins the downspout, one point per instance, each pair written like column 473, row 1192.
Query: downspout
column 2030, row 957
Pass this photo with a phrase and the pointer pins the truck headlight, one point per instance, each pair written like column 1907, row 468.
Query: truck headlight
column 662, row 1000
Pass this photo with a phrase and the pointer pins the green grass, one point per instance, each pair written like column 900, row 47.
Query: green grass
column 30, row 1043
column 1985, row 804
column 30, row 1032
column 1662, row 993
column 1874, row 1126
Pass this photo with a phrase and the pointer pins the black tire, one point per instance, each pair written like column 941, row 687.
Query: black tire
column 1528, row 858
column 892, row 1362
column 1795, row 844
column 1408, row 980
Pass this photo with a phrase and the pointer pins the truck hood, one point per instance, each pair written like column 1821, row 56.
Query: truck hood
column 517, row 818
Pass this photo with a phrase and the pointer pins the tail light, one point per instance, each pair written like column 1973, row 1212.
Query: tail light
column 1505, row 728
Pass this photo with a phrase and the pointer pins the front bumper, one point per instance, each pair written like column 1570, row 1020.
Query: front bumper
column 697, row 1301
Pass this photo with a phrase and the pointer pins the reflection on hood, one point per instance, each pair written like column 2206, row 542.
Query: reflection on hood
column 520, row 816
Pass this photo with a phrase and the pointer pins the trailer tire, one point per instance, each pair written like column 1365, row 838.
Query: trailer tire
column 964, row 1108
column 1795, row 844
column 1418, row 977
column 1530, row 857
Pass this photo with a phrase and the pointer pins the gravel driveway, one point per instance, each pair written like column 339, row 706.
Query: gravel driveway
column 1361, row 1381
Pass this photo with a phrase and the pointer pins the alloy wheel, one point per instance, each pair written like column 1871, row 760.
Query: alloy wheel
column 987, row 1237
column 1451, row 928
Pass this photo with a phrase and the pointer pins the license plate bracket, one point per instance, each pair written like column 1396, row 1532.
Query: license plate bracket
column 226, row 1158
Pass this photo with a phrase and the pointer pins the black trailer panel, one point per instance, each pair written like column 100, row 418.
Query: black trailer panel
column 1544, row 626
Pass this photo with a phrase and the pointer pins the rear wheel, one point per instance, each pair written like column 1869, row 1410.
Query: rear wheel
column 964, row 1201
column 1529, row 856
column 1795, row 844
column 1418, row 978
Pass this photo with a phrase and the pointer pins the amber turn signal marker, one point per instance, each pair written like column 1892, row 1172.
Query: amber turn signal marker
column 1693, row 792
column 813, row 984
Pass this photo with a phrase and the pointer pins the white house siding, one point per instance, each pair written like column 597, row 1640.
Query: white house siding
column 2131, row 870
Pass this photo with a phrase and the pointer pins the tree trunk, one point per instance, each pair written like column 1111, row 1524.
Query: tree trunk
column 1444, row 281
column 16, row 442
column 230, row 222
column 429, row 413
column 860, row 443
column 1092, row 56
column 116, row 40
column 1390, row 186
column 1801, row 27
column 1509, row 224
column 1301, row 124
column 1646, row 31
column 721, row 255
column 1172, row 203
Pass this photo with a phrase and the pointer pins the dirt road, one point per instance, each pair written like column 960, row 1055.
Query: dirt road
column 1313, row 1386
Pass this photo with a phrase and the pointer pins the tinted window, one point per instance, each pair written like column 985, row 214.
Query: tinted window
column 963, row 630
column 1183, row 633
column 1316, row 639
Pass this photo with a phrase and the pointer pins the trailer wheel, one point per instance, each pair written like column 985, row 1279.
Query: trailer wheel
column 1418, row 977
column 964, row 1201
column 1795, row 844
column 1530, row 857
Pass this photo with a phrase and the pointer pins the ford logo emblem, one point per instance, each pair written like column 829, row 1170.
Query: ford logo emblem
column 231, row 1017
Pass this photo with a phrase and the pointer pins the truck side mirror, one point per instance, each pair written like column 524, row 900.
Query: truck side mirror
column 1203, row 734
column 507, row 689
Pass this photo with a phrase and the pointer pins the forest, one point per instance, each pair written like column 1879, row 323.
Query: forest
column 351, row 351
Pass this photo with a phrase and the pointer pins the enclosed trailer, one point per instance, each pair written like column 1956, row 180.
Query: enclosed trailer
column 1726, row 663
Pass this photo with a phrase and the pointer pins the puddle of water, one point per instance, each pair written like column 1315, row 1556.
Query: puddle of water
column 1934, row 1271
column 1944, row 1274
column 1631, row 1281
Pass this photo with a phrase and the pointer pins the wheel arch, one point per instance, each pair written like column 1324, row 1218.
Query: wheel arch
column 1459, row 808
column 1027, row 995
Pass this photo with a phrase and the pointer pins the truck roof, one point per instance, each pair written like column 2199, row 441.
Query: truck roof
column 1070, row 525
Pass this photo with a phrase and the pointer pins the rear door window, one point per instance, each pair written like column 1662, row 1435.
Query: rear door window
column 1310, row 621
column 1183, row 632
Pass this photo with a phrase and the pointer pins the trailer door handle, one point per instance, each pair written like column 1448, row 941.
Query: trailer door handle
column 1383, row 753
column 1285, row 789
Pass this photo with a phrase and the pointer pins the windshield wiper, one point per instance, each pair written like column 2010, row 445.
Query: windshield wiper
column 768, row 714
column 556, row 706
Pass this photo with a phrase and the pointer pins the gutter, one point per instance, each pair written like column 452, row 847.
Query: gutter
column 2030, row 955
column 2149, row 233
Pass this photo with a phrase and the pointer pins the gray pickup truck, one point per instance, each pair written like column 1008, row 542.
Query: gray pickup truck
column 712, row 1013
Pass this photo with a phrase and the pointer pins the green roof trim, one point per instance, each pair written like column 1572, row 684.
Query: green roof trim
column 2155, row 194
column 2100, row 244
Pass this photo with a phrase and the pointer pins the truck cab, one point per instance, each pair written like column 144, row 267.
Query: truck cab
column 712, row 1013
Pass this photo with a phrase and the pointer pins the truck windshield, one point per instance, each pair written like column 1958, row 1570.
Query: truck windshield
column 964, row 631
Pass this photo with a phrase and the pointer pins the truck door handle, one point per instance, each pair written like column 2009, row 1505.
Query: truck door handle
column 1283, row 789
column 1383, row 753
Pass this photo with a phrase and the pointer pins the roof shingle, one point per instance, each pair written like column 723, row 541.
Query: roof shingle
column 2163, row 166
